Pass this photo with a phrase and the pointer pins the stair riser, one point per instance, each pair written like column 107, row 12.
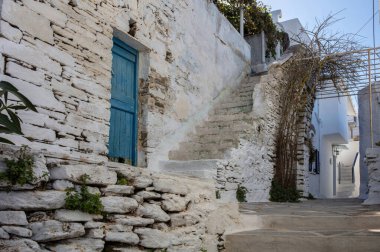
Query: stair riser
column 320, row 222
column 246, row 243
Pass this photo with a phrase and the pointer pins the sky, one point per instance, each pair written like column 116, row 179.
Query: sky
column 354, row 14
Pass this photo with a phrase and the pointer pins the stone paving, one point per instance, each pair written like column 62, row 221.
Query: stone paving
column 314, row 225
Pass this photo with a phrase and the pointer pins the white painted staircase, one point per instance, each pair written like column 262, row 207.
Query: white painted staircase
column 226, row 124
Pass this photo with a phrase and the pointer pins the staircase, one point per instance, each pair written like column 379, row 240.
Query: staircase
column 227, row 123
column 313, row 226
column 345, row 188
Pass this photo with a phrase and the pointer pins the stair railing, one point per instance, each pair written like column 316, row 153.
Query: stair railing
column 353, row 168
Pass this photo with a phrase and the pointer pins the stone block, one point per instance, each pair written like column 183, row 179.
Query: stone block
column 184, row 219
column 38, row 133
column 153, row 238
column 97, row 175
column 174, row 203
column 13, row 218
column 117, row 190
column 37, row 200
column 26, row 245
column 154, row 212
column 3, row 234
column 95, row 233
column 142, row 182
column 134, row 221
column 122, row 237
column 147, row 195
column 75, row 216
column 27, row 20
column 62, row 185
column 19, row 231
column 26, row 74
column 56, row 53
column 114, row 204
column 44, row 9
column 93, row 224
column 52, row 230
column 34, row 94
column 170, row 186
column 79, row 244
column 91, row 87
column 10, row 32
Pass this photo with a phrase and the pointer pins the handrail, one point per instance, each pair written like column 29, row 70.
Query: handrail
column 353, row 168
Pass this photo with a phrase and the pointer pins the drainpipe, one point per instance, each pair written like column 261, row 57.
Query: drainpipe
column 242, row 21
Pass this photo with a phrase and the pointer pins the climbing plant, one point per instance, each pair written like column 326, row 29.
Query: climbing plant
column 317, row 63
column 256, row 19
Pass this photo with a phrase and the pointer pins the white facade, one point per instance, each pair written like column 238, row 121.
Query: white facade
column 335, row 139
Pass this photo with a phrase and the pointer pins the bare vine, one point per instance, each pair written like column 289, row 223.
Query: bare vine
column 320, row 61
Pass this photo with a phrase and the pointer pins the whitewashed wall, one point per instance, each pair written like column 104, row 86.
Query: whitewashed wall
column 58, row 53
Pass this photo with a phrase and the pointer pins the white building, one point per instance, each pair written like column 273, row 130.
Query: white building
column 331, row 172
column 335, row 168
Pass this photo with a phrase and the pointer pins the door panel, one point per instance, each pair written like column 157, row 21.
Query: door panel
column 123, row 123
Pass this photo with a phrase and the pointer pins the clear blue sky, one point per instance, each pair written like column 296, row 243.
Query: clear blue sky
column 355, row 13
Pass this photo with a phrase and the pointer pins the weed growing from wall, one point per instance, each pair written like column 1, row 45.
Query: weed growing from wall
column 83, row 200
column 20, row 170
column 241, row 193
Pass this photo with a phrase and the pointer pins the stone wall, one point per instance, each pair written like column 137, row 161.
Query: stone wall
column 251, row 164
column 58, row 53
column 151, row 211
column 372, row 160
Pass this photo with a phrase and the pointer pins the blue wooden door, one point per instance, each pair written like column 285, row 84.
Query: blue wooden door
column 124, row 100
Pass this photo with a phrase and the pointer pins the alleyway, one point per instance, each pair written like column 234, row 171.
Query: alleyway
column 314, row 225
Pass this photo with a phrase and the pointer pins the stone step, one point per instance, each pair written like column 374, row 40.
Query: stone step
column 197, row 155
column 311, row 241
column 219, row 138
column 235, row 104
column 207, row 147
column 320, row 222
column 205, row 169
column 227, row 128
column 232, row 110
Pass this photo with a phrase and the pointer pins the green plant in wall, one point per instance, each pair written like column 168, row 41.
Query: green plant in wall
column 19, row 170
column 83, row 200
column 256, row 19
column 241, row 193
column 10, row 122
column 122, row 180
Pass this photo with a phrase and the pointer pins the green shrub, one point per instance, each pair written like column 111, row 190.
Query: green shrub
column 241, row 193
column 83, row 200
column 280, row 194
column 19, row 170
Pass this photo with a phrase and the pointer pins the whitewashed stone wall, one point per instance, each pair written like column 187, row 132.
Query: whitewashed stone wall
column 152, row 212
column 372, row 160
column 58, row 53
column 251, row 165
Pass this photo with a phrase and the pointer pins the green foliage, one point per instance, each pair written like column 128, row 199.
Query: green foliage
column 217, row 194
column 257, row 19
column 241, row 193
column 19, row 170
column 203, row 250
column 83, row 200
column 10, row 123
column 121, row 180
column 377, row 144
column 279, row 193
